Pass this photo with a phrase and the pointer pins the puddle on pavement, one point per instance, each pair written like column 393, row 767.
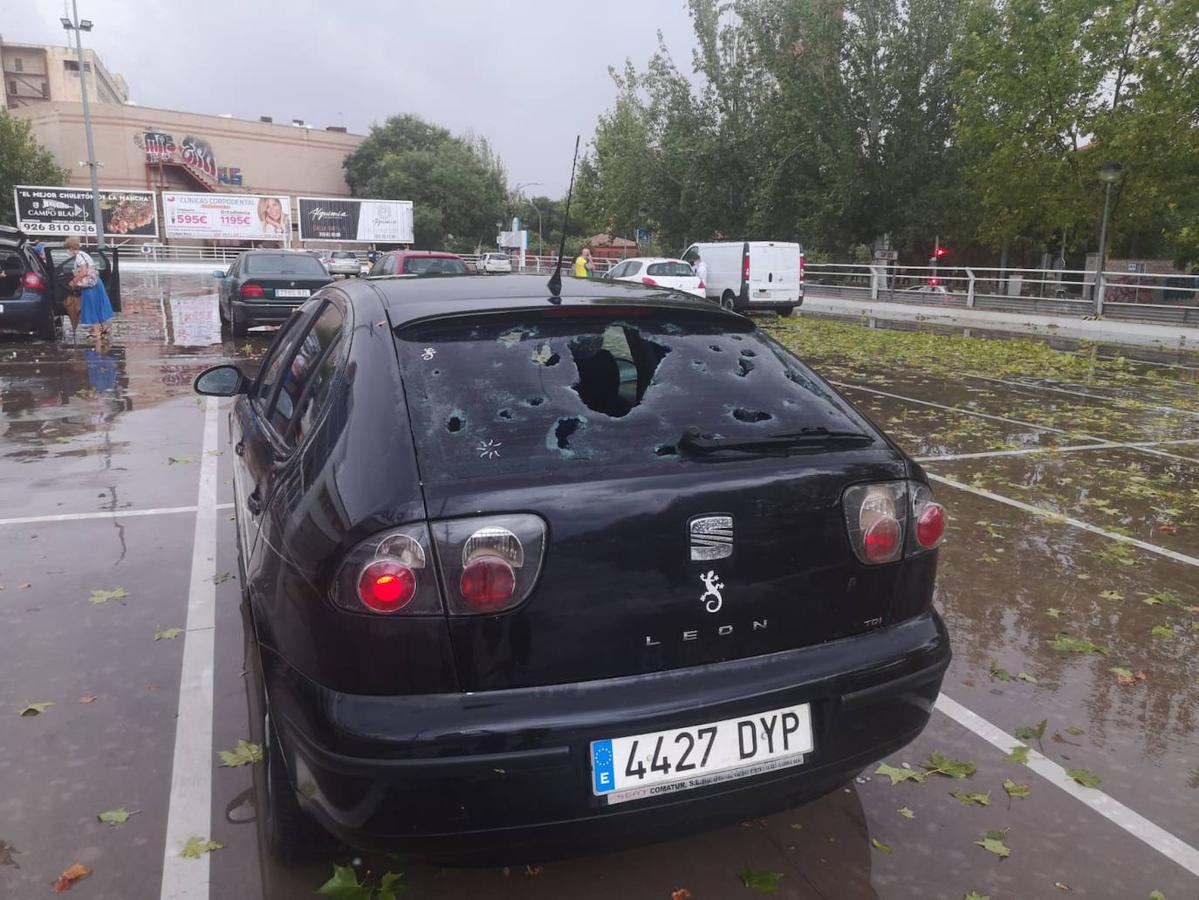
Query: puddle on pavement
column 1151, row 498
column 1011, row 584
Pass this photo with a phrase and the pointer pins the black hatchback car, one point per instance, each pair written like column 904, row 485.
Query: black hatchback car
column 544, row 574
column 265, row 286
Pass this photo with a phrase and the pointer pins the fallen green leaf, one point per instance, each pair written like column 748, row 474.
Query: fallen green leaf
column 1156, row 895
column 1075, row 730
column 975, row 895
column 971, row 799
column 897, row 775
column 996, row 846
column 1015, row 790
column 222, row 578
column 906, row 813
column 998, row 674
column 1085, row 778
column 173, row 460
column 939, row 764
column 1068, row 644
column 1019, row 754
column 1111, row 595
column 198, row 846
column 344, row 885
column 389, row 886
column 1164, row 598
column 879, row 845
column 1162, row 631
column 1024, row 676
column 241, row 755
column 763, row 882
column 168, row 634
column 1032, row 732
column 36, row 709
column 117, row 816
column 99, row 597
column 1053, row 612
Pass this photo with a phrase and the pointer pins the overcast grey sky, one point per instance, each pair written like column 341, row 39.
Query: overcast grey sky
column 528, row 76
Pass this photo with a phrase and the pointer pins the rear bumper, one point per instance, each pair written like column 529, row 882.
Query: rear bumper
column 745, row 301
column 260, row 311
column 25, row 313
column 468, row 775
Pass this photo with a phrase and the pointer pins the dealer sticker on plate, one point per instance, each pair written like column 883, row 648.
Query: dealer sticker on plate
column 663, row 762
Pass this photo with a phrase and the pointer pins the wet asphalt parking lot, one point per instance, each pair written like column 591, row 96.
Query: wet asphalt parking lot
column 1069, row 581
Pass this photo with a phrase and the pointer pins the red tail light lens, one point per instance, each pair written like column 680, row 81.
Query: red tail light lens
column 487, row 583
column 930, row 527
column 701, row 285
column 649, row 281
column 249, row 291
column 882, row 540
column 33, row 282
column 386, row 586
column 745, row 269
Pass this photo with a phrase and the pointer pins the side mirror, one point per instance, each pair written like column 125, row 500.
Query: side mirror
column 221, row 381
column 218, row 273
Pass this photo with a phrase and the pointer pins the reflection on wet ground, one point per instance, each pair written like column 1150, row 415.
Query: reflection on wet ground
column 1095, row 636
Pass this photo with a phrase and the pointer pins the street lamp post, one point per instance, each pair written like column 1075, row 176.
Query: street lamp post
column 1109, row 174
column 74, row 24
column 517, row 191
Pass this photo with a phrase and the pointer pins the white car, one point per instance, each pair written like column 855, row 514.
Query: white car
column 658, row 271
column 491, row 263
column 929, row 292
column 752, row 275
column 341, row 262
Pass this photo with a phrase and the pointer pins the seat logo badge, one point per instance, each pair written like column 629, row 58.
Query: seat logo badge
column 711, row 598
column 711, row 537
column 429, row 353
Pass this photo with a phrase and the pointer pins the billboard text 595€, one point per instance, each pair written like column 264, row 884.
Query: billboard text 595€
column 239, row 217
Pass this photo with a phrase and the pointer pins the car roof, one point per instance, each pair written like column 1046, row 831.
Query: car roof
column 656, row 259
column 434, row 254
column 414, row 298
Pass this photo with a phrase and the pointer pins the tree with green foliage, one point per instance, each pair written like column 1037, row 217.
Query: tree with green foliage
column 23, row 160
column 457, row 185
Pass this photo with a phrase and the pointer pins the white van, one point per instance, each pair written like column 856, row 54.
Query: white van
column 748, row 275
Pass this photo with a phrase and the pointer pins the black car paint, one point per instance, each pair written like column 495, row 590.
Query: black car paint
column 239, row 314
column 363, row 704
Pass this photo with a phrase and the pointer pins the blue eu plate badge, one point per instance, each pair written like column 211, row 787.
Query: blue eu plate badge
column 601, row 767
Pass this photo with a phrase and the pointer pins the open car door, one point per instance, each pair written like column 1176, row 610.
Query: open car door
column 62, row 268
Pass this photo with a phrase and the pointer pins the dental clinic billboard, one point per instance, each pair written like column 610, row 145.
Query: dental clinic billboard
column 361, row 221
column 230, row 217
column 44, row 211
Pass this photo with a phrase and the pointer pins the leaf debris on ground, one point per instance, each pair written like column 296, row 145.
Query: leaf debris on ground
column 69, row 876
column 243, row 754
column 906, row 813
column 168, row 634
column 197, row 846
column 897, row 775
column 36, row 709
column 117, row 816
column 99, row 597
column 993, row 842
column 879, row 845
column 940, row 764
column 764, row 882
column 971, row 799
column 1067, row 644
column 1085, row 778
column 1019, row 791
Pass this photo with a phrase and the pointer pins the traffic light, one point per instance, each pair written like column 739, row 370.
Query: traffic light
column 934, row 282
column 939, row 252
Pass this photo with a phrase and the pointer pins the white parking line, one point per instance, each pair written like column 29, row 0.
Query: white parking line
column 1061, row 390
column 1066, row 520
column 1111, row 809
column 190, row 810
column 1025, row 451
column 112, row 514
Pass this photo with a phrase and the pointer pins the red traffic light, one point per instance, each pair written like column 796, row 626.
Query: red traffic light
column 934, row 282
column 938, row 252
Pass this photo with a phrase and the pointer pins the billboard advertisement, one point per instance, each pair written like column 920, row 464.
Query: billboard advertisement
column 233, row 217
column 43, row 210
column 363, row 221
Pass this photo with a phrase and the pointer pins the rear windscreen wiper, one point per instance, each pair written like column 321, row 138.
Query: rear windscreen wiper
column 695, row 444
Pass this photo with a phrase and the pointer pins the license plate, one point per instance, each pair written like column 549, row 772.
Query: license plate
column 663, row 762
column 289, row 292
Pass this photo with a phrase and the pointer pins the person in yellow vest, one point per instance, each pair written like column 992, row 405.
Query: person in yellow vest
column 583, row 264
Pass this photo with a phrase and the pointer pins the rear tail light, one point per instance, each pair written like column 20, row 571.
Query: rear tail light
column 489, row 564
column 934, row 282
column 745, row 269
column 801, row 266
column 249, row 291
column 387, row 574
column 649, row 281
column 890, row 520
column 701, row 285
column 33, row 282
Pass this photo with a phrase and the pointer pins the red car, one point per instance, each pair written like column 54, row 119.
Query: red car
column 419, row 262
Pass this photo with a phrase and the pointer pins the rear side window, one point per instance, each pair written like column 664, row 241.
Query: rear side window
column 671, row 270
column 307, row 365
column 284, row 264
column 431, row 265
column 540, row 392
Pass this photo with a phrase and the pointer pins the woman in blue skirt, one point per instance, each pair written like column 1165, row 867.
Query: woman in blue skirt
column 95, row 308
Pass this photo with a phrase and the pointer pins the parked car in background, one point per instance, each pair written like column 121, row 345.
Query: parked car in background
column 752, row 275
column 657, row 271
column 342, row 262
column 265, row 286
column 33, row 289
column 476, row 635
column 934, row 292
column 419, row 262
column 494, row 263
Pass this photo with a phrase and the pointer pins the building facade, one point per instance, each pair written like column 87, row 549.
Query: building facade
column 36, row 74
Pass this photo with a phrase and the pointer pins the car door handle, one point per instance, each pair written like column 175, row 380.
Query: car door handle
column 254, row 502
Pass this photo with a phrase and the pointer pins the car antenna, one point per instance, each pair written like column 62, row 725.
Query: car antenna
column 555, row 282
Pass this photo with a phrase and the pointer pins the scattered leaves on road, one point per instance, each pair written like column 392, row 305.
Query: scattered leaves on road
column 1127, row 676
column 1053, row 612
column 345, row 885
column 99, row 597
column 168, row 634
column 1163, row 598
column 180, row 460
column 939, row 764
column 1085, row 778
column 88, row 698
column 1024, row 676
column 763, row 882
column 1162, row 631
column 971, row 799
column 198, row 846
column 1156, row 895
column 389, row 886
column 1019, row 791
column 680, row 894
column 1019, row 754
column 879, row 845
column 241, row 755
column 69, row 876
column 906, row 813
column 975, row 895
column 992, row 842
column 222, row 578
column 1067, row 644
column 1111, row 595
column 36, row 709
column 117, row 816
column 1075, row 730
column 998, row 674
column 1032, row 732
column 897, row 775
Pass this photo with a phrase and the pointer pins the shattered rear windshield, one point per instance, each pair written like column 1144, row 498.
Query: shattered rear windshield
column 533, row 392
